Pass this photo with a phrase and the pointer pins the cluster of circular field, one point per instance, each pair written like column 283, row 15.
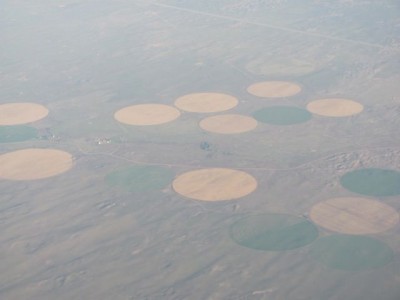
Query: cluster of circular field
column 351, row 218
column 155, row 114
column 32, row 163
column 41, row 163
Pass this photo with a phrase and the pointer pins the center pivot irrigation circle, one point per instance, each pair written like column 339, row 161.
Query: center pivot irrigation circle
column 30, row 164
column 354, row 215
column 282, row 115
column 140, row 178
column 206, row 102
column 335, row 107
column 147, row 114
column 273, row 232
column 17, row 133
column 274, row 89
column 372, row 182
column 351, row 252
column 21, row 113
column 214, row 184
column 228, row 124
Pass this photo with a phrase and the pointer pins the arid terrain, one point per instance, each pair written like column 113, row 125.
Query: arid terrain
column 216, row 149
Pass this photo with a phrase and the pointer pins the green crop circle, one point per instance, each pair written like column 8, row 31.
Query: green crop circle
column 17, row 133
column 273, row 232
column 372, row 182
column 351, row 252
column 282, row 115
column 140, row 178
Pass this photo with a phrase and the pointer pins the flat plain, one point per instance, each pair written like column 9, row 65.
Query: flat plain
column 112, row 224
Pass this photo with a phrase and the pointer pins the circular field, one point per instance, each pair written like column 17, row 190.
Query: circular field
column 274, row 89
column 354, row 215
column 30, row 164
column 147, row 114
column 351, row 252
column 21, row 113
column 228, row 124
column 206, row 102
column 335, row 107
column 273, row 232
column 282, row 115
column 214, row 184
column 372, row 182
column 140, row 178
column 17, row 133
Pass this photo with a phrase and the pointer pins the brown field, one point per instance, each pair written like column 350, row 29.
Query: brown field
column 206, row 102
column 274, row 89
column 354, row 215
column 21, row 113
column 335, row 107
column 147, row 114
column 214, row 184
column 228, row 124
column 30, row 164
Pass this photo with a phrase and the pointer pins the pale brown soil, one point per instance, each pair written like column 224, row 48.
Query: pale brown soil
column 354, row 215
column 147, row 114
column 21, row 113
column 274, row 89
column 30, row 164
column 228, row 124
column 215, row 184
column 335, row 107
column 206, row 102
